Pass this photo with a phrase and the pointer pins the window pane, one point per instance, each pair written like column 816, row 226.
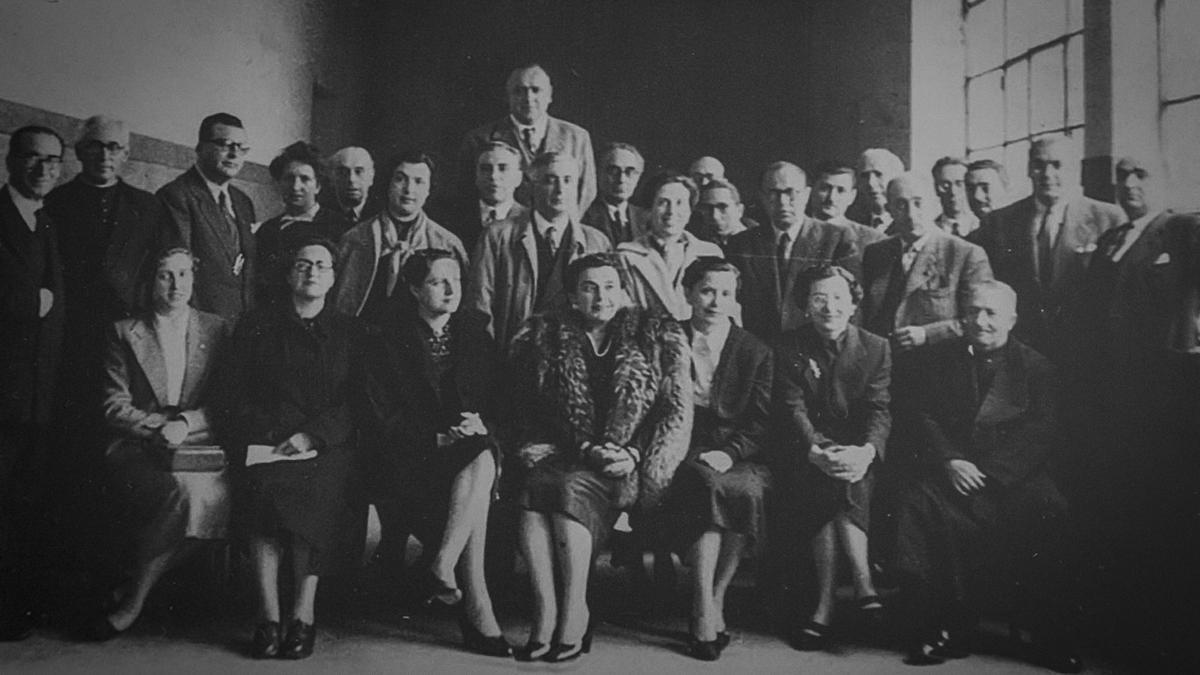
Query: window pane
column 1046, row 90
column 985, row 111
column 1041, row 20
column 985, row 36
column 1180, row 48
column 1075, row 81
column 1074, row 15
column 996, row 154
column 1016, row 163
column 1181, row 147
column 1016, row 98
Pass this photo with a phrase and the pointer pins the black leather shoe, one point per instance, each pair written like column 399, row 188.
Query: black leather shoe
column 951, row 645
column 476, row 641
column 435, row 593
column 560, row 652
column 266, row 641
column 811, row 637
column 299, row 641
column 723, row 639
column 532, row 651
column 924, row 654
column 704, row 651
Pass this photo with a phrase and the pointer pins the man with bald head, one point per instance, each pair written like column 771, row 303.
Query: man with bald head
column 353, row 172
column 876, row 168
column 705, row 170
column 106, row 229
column 532, row 131
column 771, row 259
column 1042, row 245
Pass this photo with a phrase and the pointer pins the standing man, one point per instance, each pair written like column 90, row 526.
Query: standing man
column 372, row 253
column 497, row 176
column 722, row 213
column 208, row 215
column 520, row 262
column 950, row 183
column 530, row 129
column 772, row 258
column 106, row 229
column 621, row 167
column 833, row 192
column 31, row 332
column 987, row 186
column 353, row 174
column 876, row 168
column 1041, row 245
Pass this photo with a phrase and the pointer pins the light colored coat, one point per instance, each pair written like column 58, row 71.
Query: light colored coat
column 648, row 281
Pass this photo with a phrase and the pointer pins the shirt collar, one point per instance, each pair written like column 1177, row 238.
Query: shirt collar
column 171, row 324
column 215, row 189
column 1057, row 212
column 539, row 127
column 27, row 207
column 502, row 209
column 793, row 232
column 715, row 337
column 560, row 225
column 308, row 215
column 1140, row 224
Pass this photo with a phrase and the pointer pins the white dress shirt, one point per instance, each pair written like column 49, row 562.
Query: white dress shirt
column 171, row 332
column 27, row 207
column 706, row 356
column 559, row 225
column 539, row 132
column 500, row 210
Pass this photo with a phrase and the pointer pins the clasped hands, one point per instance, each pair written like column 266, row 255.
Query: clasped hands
column 843, row 462
column 165, row 430
column 471, row 425
column 610, row 459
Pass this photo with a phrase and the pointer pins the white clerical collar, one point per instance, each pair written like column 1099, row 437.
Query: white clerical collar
column 27, row 207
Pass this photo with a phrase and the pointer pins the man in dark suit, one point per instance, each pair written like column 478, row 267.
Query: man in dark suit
column 31, row 331
column 531, row 130
column 987, row 187
column 772, row 258
column 106, row 229
column 621, row 167
column 1041, row 245
column 876, row 168
column 720, row 213
column 833, row 192
column 353, row 174
column 207, row 214
column 497, row 176
column 983, row 499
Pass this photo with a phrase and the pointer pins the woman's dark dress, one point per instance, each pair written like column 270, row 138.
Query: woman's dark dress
column 293, row 375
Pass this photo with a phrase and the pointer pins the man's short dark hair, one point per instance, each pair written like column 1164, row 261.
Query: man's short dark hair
column 207, row 124
column 618, row 145
column 814, row 274
column 946, row 161
column 722, row 184
column 417, row 267
column 31, row 130
column 405, row 157
column 663, row 179
column 301, row 153
column 981, row 164
column 833, row 167
column 709, row 264
column 591, row 261
column 545, row 159
column 297, row 244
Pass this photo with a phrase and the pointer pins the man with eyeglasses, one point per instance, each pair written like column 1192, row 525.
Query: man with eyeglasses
column 106, row 228
column 207, row 214
column 31, row 323
column 950, row 184
column 621, row 167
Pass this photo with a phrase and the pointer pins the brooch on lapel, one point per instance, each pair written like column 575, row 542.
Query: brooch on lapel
column 1163, row 258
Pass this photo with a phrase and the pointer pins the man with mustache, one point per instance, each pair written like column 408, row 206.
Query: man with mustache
column 208, row 215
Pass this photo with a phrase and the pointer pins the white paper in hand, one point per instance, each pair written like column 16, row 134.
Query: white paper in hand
column 265, row 454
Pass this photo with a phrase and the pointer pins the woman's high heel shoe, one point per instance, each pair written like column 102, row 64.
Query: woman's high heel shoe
column 532, row 651
column 560, row 652
column 476, row 641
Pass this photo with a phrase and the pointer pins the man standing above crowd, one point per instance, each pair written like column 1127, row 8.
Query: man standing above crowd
column 106, row 228
column 621, row 167
column 530, row 129
column 208, row 215
column 31, row 324
column 519, row 263
column 949, row 181
column 771, row 258
column 372, row 253
column 876, row 168
column 1041, row 245
column 833, row 193
column 353, row 174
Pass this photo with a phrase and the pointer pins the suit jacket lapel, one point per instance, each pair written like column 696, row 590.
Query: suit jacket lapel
column 143, row 340
column 879, row 285
column 212, row 214
column 927, row 264
column 1009, row 394
column 528, row 243
column 199, row 343
column 654, row 269
column 725, row 365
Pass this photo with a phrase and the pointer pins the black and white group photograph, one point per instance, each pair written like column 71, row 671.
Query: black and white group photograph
column 600, row 336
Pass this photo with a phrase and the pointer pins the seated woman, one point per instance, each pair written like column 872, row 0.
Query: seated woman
column 606, row 402
column 831, row 382
column 715, row 504
column 156, row 377
column 431, row 391
column 654, row 262
column 293, row 377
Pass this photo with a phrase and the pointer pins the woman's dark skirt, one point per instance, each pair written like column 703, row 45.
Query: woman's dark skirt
column 568, row 488
column 703, row 499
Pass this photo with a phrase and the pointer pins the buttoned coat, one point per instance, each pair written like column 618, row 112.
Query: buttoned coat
column 649, row 282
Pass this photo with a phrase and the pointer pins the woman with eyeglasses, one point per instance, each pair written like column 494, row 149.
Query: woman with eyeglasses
column 289, row 412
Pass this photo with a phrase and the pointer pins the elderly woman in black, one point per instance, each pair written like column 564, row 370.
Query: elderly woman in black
column 715, row 506
column 294, row 373
column 431, row 392
column 606, row 402
column 156, row 395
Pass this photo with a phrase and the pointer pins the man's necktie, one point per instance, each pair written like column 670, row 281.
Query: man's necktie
column 877, row 222
column 909, row 256
column 527, row 136
column 1045, row 252
column 954, row 228
column 781, row 255
column 491, row 217
column 550, row 242
column 227, row 214
column 1121, row 233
